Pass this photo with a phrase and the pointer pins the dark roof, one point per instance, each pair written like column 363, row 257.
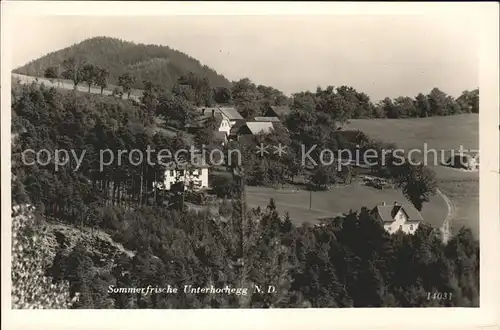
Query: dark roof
column 412, row 213
column 278, row 110
column 227, row 112
column 388, row 212
column 256, row 127
column 230, row 113
column 201, row 120
column 237, row 125
column 271, row 119
column 220, row 135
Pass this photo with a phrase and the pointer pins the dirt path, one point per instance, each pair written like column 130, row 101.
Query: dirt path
column 82, row 87
column 445, row 229
column 106, row 237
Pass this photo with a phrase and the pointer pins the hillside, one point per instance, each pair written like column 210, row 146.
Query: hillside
column 159, row 64
column 442, row 133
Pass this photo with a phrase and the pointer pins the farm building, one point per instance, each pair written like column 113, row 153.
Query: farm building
column 397, row 217
column 226, row 118
column 229, row 113
column 463, row 161
column 255, row 127
column 201, row 120
column 277, row 111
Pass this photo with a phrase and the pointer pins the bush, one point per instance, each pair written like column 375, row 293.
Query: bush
column 117, row 91
column 321, row 178
column 223, row 186
column 226, row 208
column 195, row 197
column 31, row 289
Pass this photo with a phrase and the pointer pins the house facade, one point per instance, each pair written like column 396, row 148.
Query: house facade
column 464, row 161
column 225, row 126
column 398, row 217
column 227, row 116
column 195, row 177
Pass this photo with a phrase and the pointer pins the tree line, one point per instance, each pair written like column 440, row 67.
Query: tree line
column 350, row 261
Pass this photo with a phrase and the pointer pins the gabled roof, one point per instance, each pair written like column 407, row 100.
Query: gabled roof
column 227, row 112
column 230, row 113
column 237, row 125
column 412, row 213
column 280, row 110
column 220, row 135
column 257, row 127
column 388, row 212
column 271, row 119
column 201, row 120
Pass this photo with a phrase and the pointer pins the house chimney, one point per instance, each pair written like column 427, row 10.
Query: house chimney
column 383, row 203
column 396, row 203
column 203, row 111
column 213, row 113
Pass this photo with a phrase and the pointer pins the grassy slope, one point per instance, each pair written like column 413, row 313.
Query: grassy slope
column 440, row 133
column 337, row 201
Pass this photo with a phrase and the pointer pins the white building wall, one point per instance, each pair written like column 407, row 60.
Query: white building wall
column 225, row 126
column 401, row 223
column 198, row 176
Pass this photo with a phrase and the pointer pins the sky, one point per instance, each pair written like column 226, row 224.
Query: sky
column 381, row 55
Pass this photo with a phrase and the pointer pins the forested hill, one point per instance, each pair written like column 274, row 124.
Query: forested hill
column 160, row 65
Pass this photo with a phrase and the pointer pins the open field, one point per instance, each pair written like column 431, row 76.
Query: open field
column 440, row 133
column 339, row 200
column 465, row 197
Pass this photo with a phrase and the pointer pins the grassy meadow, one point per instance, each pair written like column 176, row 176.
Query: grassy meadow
column 338, row 200
column 439, row 133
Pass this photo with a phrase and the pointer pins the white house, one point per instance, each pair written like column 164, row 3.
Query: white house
column 397, row 217
column 228, row 117
column 196, row 177
column 225, row 126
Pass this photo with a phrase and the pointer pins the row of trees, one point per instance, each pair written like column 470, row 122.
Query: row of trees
column 436, row 103
column 342, row 103
column 79, row 71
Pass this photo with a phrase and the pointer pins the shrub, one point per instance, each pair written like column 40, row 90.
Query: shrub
column 223, row 186
column 31, row 289
column 225, row 208
column 195, row 197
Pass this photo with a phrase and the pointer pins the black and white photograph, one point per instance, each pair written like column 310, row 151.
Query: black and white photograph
column 292, row 161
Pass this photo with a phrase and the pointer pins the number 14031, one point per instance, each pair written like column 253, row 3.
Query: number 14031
column 438, row 295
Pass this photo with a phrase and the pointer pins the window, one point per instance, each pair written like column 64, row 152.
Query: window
column 181, row 172
column 411, row 227
column 400, row 227
column 172, row 173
